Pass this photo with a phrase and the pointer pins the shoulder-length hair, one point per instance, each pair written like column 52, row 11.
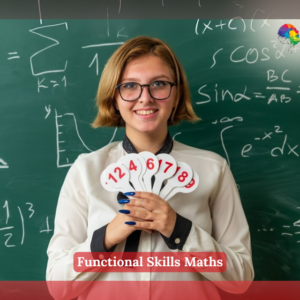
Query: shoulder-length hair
column 137, row 47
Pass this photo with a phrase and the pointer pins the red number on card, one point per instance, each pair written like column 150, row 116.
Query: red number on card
column 168, row 167
column 132, row 166
column 167, row 163
column 120, row 172
column 182, row 177
column 190, row 184
column 159, row 162
column 112, row 177
column 150, row 164
column 178, row 168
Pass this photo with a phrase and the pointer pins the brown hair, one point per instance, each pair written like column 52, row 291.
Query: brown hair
column 137, row 47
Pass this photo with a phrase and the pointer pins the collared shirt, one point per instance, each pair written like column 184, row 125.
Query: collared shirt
column 214, row 208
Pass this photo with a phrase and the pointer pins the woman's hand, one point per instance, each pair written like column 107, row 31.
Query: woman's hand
column 117, row 231
column 149, row 211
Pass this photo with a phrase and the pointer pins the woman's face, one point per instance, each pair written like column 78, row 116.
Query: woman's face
column 145, row 70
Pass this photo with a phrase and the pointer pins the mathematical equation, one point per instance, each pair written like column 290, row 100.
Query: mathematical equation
column 283, row 149
column 25, row 215
column 233, row 24
column 278, row 97
column 52, row 81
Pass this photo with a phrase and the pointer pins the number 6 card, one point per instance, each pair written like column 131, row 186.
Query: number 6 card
column 151, row 168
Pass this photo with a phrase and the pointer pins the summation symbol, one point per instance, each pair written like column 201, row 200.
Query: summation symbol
column 68, row 140
column 54, row 43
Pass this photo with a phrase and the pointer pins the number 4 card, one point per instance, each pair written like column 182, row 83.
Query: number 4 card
column 136, row 170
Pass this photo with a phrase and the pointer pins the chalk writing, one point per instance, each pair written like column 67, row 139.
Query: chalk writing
column 3, row 164
column 15, row 55
column 54, row 44
column 284, row 148
column 61, row 139
column 9, row 232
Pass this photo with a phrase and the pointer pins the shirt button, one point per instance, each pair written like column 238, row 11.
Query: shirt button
column 177, row 241
column 101, row 256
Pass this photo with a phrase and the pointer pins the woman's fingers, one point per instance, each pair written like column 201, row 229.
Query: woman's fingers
column 132, row 222
column 150, row 212
column 142, row 225
column 138, row 213
column 146, row 200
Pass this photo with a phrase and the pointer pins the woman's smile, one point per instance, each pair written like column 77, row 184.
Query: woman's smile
column 145, row 113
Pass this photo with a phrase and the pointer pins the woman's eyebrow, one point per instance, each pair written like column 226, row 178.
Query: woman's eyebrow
column 152, row 79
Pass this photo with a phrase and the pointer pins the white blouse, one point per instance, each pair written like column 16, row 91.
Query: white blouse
column 214, row 208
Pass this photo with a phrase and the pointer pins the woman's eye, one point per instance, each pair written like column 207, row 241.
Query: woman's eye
column 159, row 83
column 130, row 85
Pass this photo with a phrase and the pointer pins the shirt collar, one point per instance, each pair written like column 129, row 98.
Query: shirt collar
column 166, row 148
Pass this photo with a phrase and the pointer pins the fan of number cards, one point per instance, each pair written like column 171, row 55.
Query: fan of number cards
column 137, row 169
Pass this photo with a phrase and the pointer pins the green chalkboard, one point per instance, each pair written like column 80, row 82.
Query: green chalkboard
column 245, row 86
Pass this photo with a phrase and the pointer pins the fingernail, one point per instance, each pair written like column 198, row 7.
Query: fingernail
column 122, row 201
column 129, row 194
column 124, row 211
column 130, row 223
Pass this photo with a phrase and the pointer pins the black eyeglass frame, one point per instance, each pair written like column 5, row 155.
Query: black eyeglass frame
column 147, row 85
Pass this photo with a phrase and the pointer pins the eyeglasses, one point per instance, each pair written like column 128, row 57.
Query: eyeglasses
column 159, row 90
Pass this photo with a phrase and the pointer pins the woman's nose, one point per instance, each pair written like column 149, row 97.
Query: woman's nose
column 145, row 96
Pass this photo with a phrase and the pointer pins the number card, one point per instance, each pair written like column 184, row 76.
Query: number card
column 144, row 167
column 105, row 184
column 182, row 177
column 151, row 168
column 186, row 189
column 117, row 176
column 137, row 170
column 133, row 164
column 167, row 168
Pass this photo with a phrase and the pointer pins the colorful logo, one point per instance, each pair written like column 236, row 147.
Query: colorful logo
column 288, row 34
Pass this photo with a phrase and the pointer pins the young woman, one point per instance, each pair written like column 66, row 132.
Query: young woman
column 144, row 88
